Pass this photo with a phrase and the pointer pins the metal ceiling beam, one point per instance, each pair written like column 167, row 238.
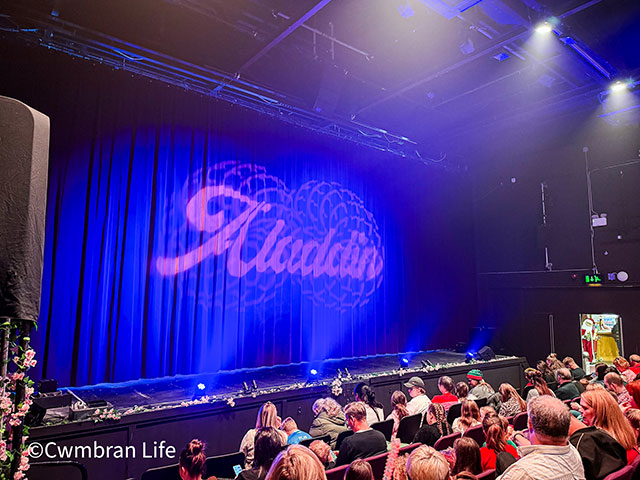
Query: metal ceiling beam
column 465, row 61
column 293, row 27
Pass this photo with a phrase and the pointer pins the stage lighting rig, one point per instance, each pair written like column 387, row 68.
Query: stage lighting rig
column 404, row 362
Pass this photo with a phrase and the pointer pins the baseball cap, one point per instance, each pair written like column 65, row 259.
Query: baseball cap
column 414, row 382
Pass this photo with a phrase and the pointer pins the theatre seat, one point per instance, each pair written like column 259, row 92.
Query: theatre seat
column 408, row 427
column 521, row 421
column 324, row 438
column 487, row 475
column 454, row 412
column 341, row 437
column 64, row 469
column 386, row 428
column 447, row 441
column 336, row 473
column 476, row 433
column 222, row 465
column 168, row 472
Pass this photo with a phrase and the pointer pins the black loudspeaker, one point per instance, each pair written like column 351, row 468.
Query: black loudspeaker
column 24, row 161
column 329, row 91
column 486, row 353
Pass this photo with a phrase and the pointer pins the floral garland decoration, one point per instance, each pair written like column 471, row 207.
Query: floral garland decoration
column 15, row 398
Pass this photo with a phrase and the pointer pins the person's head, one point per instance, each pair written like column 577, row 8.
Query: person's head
column 415, row 386
column 570, row 363
column 400, row 468
column 467, row 456
column 267, row 416
column 192, row 461
column 487, row 410
column 634, row 390
column 614, row 382
column 495, row 429
column 446, row 385
column 634, row 359
column 268, row 443
column 599, row 408
column 365, row 394
column 289, row 425
column 296, row 463
column 462, row 390
column 322, row 450
column 621, row 364
column 356, row 415
column 466, row 476
column 327, row 405
column 543, row 368
column 399, row 404
column 425, row 463
column 470, row 410
column 549, row 420
column 474, row 377
column 507, row 392
column 359, row 470
column 437, row 415
column 537, row 380
column 563, row 375
column 600, row 369
column 633, row 416
column 553, row 363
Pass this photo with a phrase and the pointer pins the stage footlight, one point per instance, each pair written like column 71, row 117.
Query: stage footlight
column 544, row 28
column 622, row 276
column 404, row 362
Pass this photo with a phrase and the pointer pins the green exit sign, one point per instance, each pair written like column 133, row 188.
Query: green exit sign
column 594, row 279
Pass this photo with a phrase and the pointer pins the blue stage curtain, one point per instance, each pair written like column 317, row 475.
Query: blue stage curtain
column 130, row 156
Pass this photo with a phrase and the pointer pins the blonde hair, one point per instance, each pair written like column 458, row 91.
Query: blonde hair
column 328, row 405
column 268, row 416
column 425, row 463
column 469, row 413
column 608, row 416
column 621, row 363
column 356, row 410
column 507, row 391
column 321, row 450
column 296, row 463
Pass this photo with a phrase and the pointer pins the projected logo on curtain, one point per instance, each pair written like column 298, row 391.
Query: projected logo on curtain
column 240, row 220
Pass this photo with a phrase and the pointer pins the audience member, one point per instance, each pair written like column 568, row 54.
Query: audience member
column 487, row 410
column 623, row 367
column 329, row 420
column 447, row 395
column 566, row 388
column 366, row 395
column 470, row 416
column 538, row 383
column 547, row 374
column 599, row 408
column 614, row 383
column 478, row 388
column 435, row 426
column 425, row 463
column 365, row 442
column 268, row 443
column 634, row 390
column 359, row 470
column 296, row 463
column 400, row 468
column 548, row 455
column 576, row 372
column 399, row 406
column 467, row 456
column 419, row 400
column 495, row 429
column 462, row 390
column 324, row 453
column 294, row 435
column 267, row 417
column 192, row 461
column 465, row 476
column 633, row 416
column 512, row 402
column 634, row 363
column 601, row 454
column 553, row 363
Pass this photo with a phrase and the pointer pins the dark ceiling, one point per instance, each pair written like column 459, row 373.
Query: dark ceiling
column 435, row 71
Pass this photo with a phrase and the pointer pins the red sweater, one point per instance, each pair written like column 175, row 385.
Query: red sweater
column 488, row 456
column 446, row 398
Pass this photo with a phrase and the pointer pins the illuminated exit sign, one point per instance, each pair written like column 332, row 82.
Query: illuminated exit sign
column 595, row 279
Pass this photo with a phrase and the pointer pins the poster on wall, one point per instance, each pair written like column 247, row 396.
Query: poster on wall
column 601, row 339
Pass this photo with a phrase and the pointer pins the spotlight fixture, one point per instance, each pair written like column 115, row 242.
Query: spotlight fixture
column 544, row 28
column 313, row 372
column 199, row 392
column 471, row 356
column 245, row 387
column 254, row 384
column 201, row 386
column 404, row 362
column 619, row 86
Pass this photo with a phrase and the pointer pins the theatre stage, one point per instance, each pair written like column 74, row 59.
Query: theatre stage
column 166, row 410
